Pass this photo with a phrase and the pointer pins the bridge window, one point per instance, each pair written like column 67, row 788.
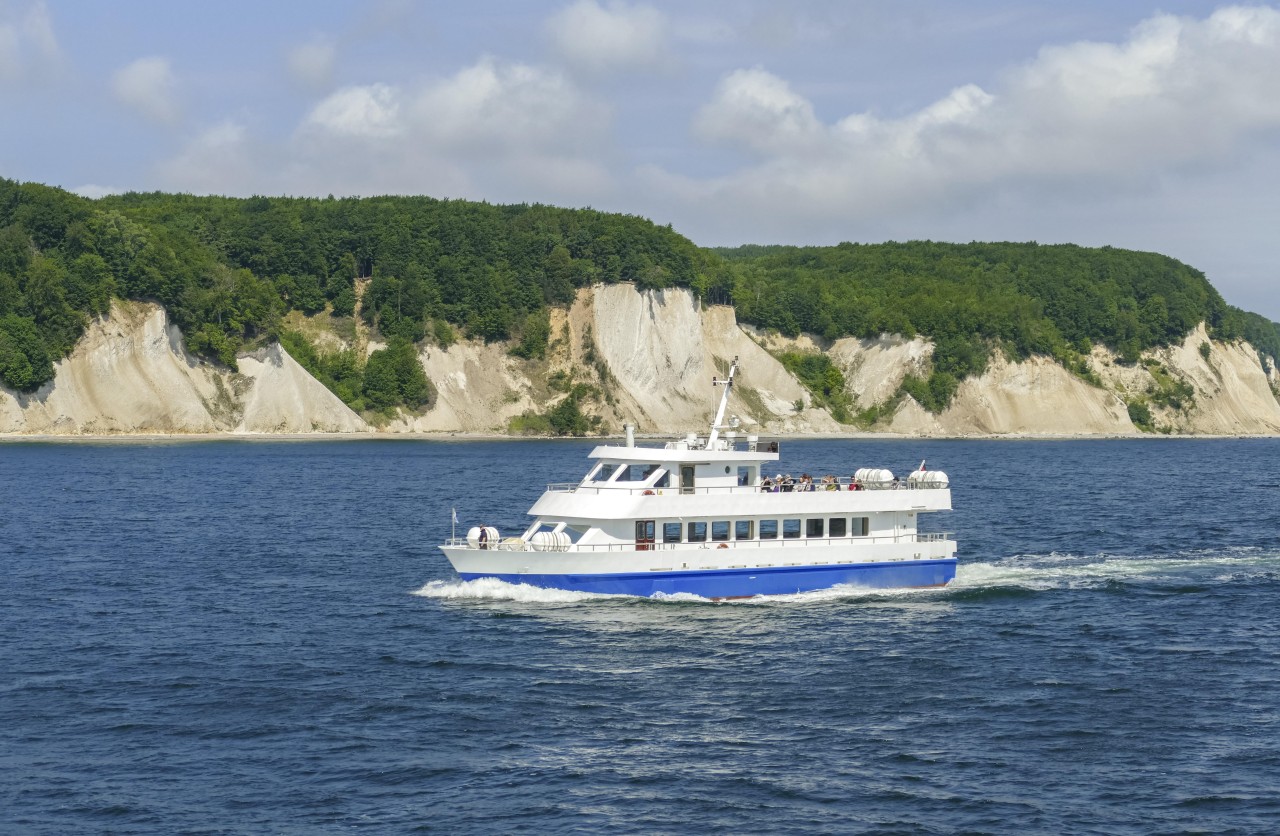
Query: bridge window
column 603, row 473
column 636, row 472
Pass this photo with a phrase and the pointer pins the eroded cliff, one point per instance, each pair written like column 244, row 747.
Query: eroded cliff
column 640, row 357
column 131, row 374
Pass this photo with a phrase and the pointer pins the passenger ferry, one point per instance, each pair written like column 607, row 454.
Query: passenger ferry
column 702, row 516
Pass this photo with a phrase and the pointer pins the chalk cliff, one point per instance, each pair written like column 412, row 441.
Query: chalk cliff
column 131, row 374
column 644, row 357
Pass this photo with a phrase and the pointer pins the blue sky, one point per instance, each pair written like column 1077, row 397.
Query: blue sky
column 1135, row 124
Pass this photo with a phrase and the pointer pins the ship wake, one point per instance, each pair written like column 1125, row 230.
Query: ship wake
column 1017, row 575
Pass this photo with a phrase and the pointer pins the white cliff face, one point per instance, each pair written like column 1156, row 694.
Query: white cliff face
column 651, row 355
column 479, row 388
column 663, row 349
column 1033, row 396
column 282, row 397
column 130, row 374
column 1232, row 392
column 873, row 369
column 1231, row 395
column 654, row 352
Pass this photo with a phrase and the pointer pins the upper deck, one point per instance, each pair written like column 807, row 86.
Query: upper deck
column 693, row 448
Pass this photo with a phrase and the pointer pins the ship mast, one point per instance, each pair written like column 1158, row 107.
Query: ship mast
column 727, row 383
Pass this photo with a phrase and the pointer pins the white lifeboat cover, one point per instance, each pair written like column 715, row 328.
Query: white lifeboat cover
column 473, row 536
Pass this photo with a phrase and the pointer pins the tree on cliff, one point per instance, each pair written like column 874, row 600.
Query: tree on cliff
column 229, row 269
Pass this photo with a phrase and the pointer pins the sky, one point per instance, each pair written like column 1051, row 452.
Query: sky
column 1142, row 125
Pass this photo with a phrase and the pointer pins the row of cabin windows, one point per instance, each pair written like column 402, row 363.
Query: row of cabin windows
column 696, row 532
column 626, row 472
column 641, row 473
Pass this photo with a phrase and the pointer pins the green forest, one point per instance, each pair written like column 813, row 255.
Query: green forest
column 228, row 270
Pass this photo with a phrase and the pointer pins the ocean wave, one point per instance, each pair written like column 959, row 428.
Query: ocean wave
column 1062, row 571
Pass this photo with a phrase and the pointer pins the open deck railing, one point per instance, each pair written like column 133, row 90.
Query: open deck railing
column 786, row 542
column 614, row 488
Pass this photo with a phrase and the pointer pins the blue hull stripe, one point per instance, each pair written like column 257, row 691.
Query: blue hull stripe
column 744, row 583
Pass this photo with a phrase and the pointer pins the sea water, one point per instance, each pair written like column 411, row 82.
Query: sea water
column 260, row 636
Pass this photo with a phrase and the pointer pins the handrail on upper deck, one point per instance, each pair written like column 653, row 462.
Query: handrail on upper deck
column 786, row 542
column 841, row 484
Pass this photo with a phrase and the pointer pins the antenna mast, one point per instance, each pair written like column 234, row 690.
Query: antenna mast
column 727, row 383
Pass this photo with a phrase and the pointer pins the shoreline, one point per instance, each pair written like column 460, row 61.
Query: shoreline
column 145, row 438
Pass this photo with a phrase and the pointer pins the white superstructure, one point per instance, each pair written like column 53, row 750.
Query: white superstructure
column 705, row 515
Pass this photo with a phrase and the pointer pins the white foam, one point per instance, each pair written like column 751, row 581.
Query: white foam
column 1056, row 571
column 1032, row 572
column 843, row 592
column 491, row 589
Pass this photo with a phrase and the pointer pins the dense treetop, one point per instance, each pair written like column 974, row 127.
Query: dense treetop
column 227, row 270
column 1057, row 300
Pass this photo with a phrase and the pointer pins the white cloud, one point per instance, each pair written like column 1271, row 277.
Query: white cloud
column 759, row 112
column 93, row 191
column 599, row 39
column 220, row 160
column 149, row 87
column 371, row 112
column 312, row 63
column 496, row 105
column 1178, row 93
column 28, row 47
column 495, row 130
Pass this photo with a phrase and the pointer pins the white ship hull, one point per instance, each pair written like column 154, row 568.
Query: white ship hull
column 738, row 570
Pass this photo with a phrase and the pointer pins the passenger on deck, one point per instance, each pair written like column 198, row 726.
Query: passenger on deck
column 767, row 485
column 806, row 482
column 854, row 484
column 829, row 483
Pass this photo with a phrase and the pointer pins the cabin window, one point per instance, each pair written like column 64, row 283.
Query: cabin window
column 697, row 532
column 837, row 526
column 813, row 527
column 768, row 529
column 636, row 472
column 720, row 530
column 861, row 526
column 790, row 529
column 745, row 476
column 742, row 529
column 603, row 474
column 671, row 532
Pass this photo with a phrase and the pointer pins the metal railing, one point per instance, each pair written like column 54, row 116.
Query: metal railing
column 517, row 545
column 615, row 488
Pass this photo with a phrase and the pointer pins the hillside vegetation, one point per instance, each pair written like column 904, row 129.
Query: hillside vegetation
column 1056, row 300
column 416, row 268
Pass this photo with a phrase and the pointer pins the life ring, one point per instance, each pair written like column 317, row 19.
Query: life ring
column 647, row 493
column 723, row 546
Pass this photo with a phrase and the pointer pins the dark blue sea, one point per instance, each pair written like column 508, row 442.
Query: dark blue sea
column 261, row 637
